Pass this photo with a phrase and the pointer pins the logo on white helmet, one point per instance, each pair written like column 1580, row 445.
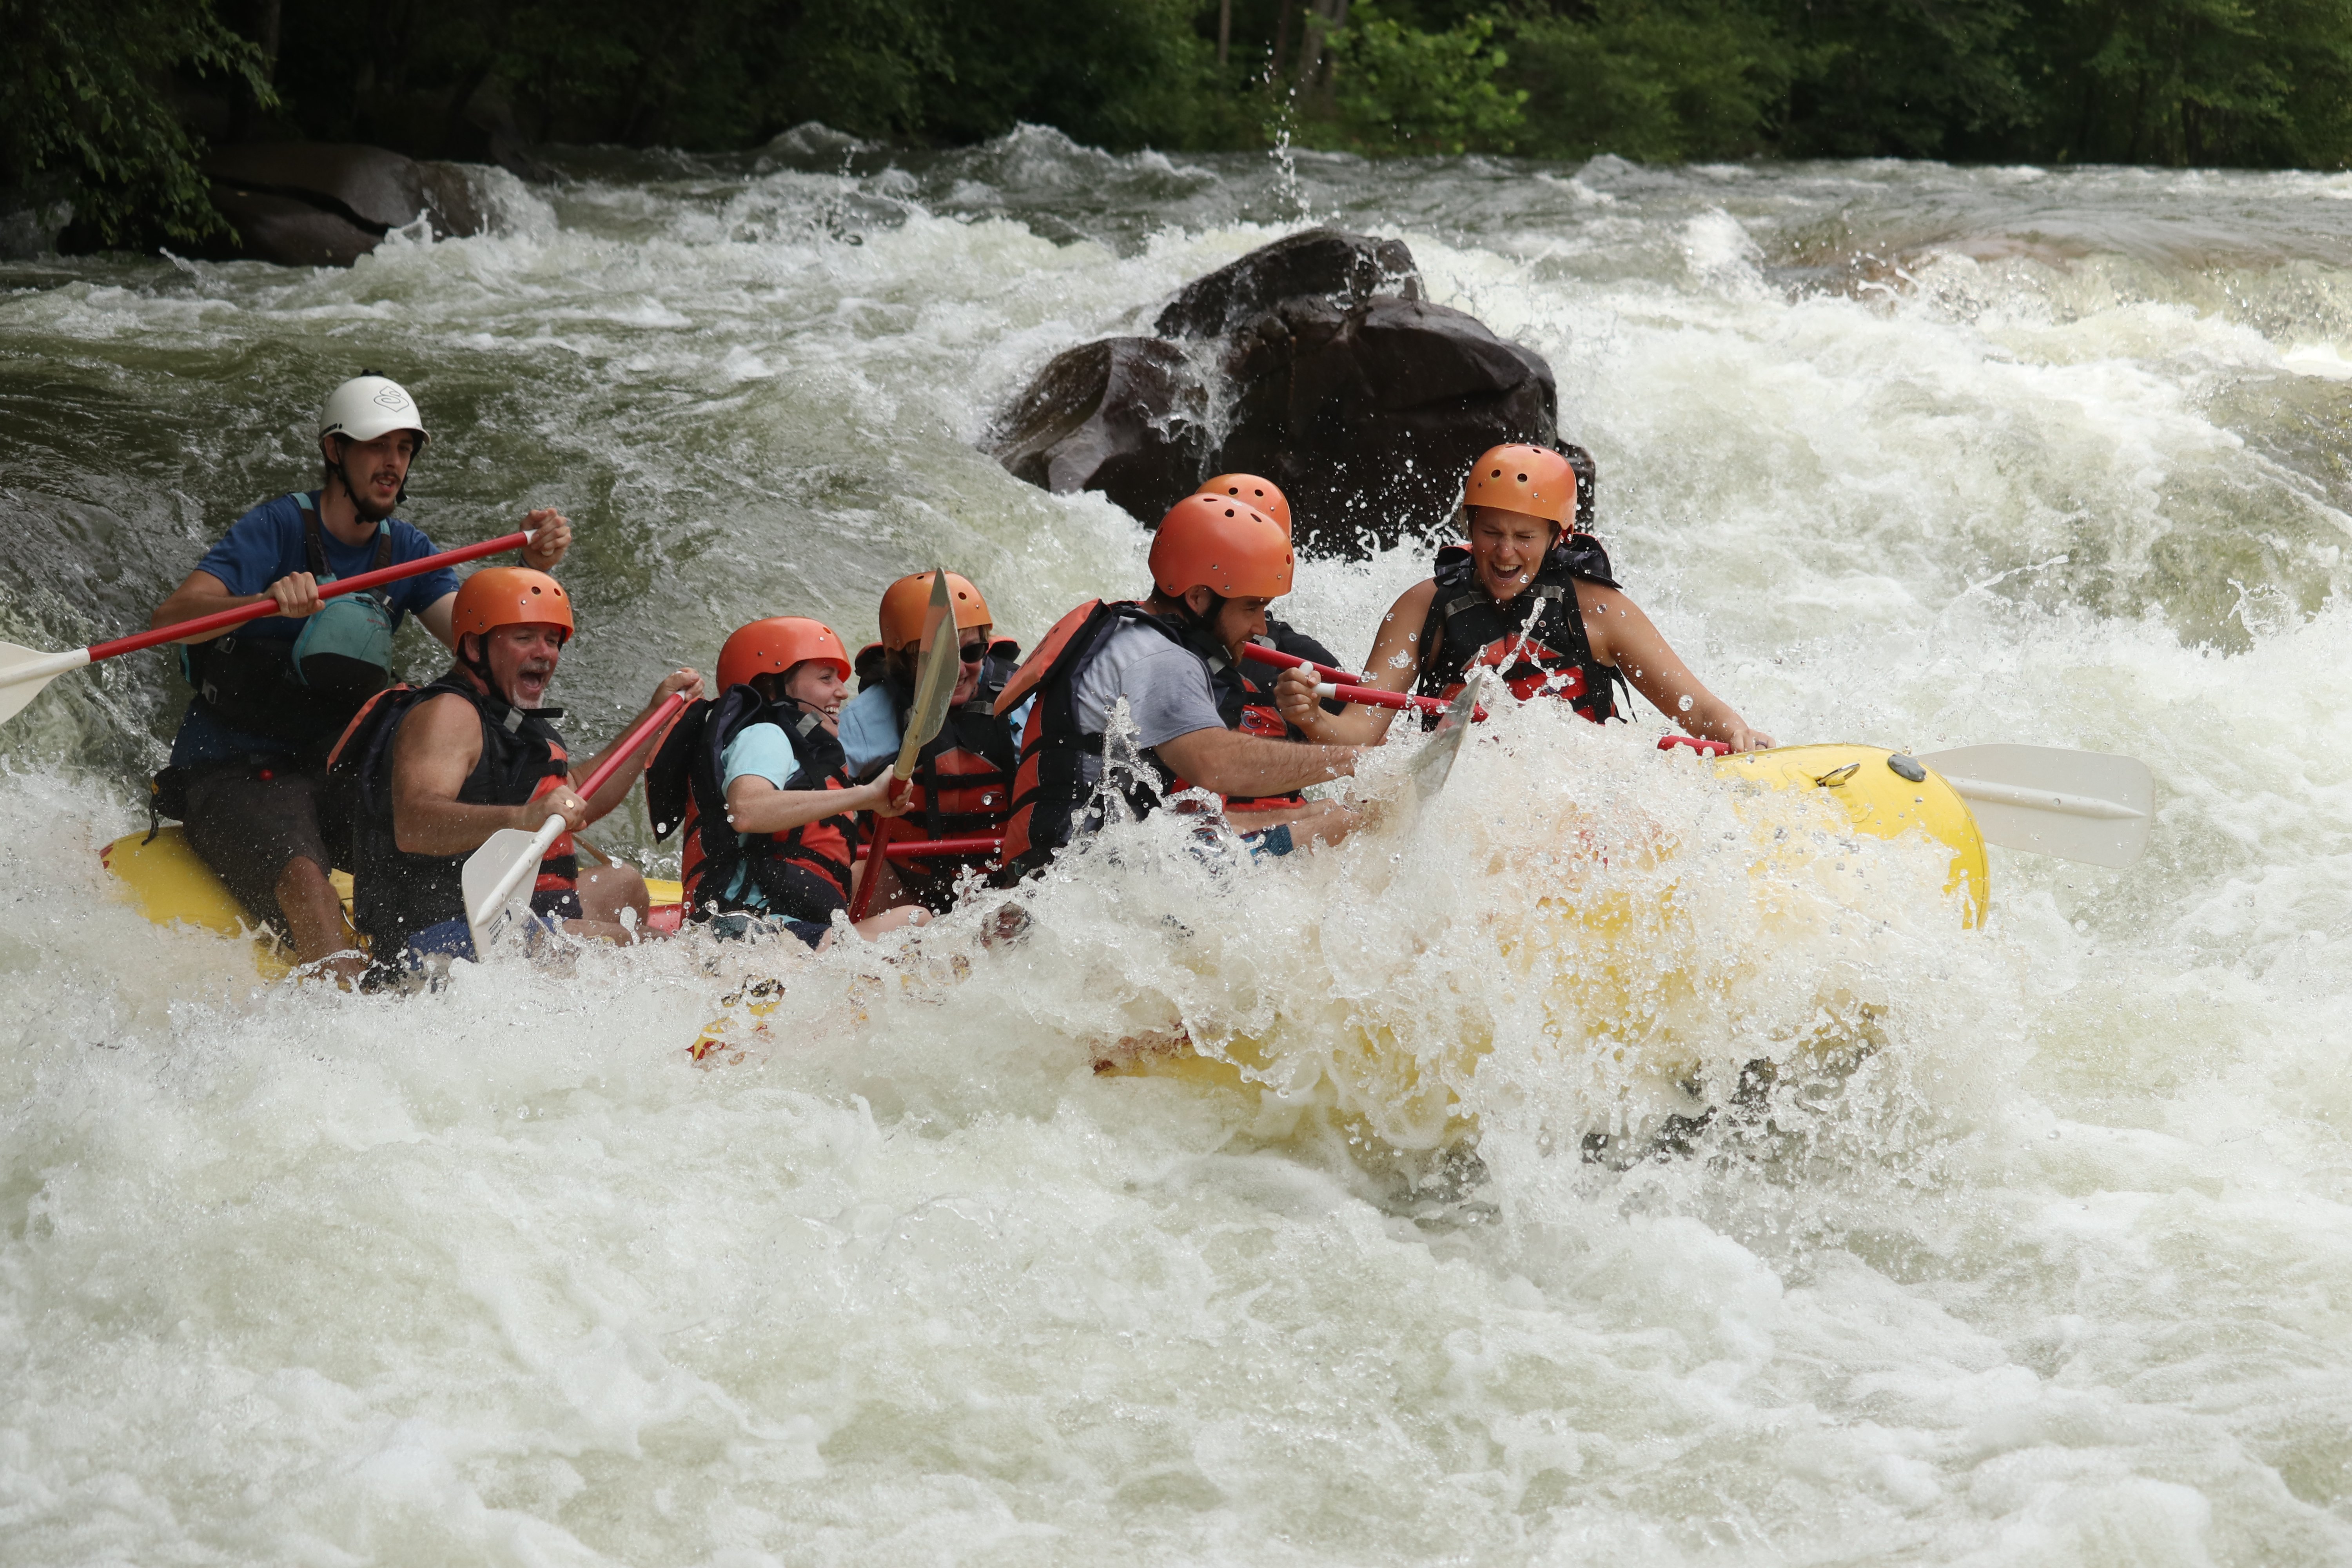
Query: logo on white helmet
column 390, row 397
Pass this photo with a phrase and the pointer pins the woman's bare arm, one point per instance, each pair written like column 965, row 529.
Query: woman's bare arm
column 1623, row 635
column 1396, row 659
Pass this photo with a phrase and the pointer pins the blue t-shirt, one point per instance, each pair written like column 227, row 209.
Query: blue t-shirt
column 870, row 734
column 765, row 750
column 266, row 544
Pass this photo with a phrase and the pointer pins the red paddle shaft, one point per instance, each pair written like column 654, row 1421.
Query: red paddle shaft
column 224, row 619
column 1343, row 685
column 603, row 773
column 1261, row 654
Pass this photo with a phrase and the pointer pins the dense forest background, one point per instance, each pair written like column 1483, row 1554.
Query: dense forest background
column 109, row 103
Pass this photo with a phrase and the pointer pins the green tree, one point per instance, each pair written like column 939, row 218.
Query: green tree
column 2193, row 81
column 1656, row 80
column 85, row 105
column 1401, row 88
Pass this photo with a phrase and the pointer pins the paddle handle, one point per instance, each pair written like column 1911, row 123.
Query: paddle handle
column 527, row 863
column 1262, row 654
column 1373, row 696
column 933, row 848
column 603, row 773
column 222, row 620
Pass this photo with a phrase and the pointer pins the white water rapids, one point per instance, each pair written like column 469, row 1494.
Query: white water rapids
column 2040, row 1252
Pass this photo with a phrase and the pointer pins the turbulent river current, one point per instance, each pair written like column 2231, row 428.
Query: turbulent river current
column 2031, row 1245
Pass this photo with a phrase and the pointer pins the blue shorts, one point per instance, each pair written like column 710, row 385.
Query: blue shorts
column 1274, row 840
column 454, row 938
column 741, row 927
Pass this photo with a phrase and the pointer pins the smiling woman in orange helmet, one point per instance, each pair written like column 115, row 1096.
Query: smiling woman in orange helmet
column 1531, row 598
column 1216, row 564
column 442, row 769
column 757, row 779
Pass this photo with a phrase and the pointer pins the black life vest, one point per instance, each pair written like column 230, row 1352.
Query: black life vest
column 803, row 873
column 1536, row 639
column 1052, row 802
column 300, row 691
column 395, row 894
column 964, row 779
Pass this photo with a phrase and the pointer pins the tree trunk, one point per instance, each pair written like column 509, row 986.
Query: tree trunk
column 1325, row 17
column 1225, row 31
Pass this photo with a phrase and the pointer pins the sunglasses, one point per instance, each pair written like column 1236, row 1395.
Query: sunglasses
column 972, row 652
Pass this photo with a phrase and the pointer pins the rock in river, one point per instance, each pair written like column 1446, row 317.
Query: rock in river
column 322, row 203
column 1314, row 362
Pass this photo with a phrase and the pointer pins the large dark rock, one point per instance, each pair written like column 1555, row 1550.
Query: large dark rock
column 1329, row 374
column 1368, row 417
column 1322, row 263
column 1122, row 415
column 316, row 204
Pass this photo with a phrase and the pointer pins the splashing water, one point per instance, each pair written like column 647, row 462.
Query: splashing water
column 1900, row 1241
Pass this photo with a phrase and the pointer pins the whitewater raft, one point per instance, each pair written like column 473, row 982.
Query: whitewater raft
column 171, row 885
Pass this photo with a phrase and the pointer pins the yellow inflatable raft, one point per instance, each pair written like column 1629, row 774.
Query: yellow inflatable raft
column 1886, row 794
column 171, row 885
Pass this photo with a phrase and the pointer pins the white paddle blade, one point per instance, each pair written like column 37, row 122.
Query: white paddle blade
column 496, row 875
column 25, row 670
column 2090, row 806
column 1434, row 765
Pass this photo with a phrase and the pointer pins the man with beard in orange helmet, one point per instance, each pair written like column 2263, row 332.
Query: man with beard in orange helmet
column 756, row 778
column 441, row 769
column 1531, row 598
column 1216, row 564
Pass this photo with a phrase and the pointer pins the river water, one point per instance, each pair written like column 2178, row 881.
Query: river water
column 2039, row 1254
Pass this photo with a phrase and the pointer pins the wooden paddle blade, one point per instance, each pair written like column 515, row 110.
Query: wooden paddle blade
column 498, row 877
column 935, row 677
column 25, row 670
column 2090, row 806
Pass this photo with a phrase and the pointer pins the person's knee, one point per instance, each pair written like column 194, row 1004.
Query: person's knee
column 302, row 877
column 606, row 890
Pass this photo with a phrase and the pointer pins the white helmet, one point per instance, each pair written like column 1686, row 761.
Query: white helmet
column 369, row 405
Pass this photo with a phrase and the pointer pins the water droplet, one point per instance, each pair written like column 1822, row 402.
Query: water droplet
column 1683, row 706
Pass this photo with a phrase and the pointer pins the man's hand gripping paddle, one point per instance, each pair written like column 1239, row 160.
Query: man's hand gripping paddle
column 496, row 872
column 24, row 670
column 935, row 683
column 2078, row 805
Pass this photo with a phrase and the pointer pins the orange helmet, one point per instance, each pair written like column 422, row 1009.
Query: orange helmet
column 905, row 602
column 773, row 645
column 509, row 596
column 1534, row 481
column 1248, row 488
column 1232, row 550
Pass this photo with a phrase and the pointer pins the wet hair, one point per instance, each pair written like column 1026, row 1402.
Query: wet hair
column 1587, row 476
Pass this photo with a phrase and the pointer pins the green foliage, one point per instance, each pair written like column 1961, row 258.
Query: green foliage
column 1909, row 77
column 1398, row 89
column 2194, row 81
column 103, row 101
column 86, row 100
column 1656, row 80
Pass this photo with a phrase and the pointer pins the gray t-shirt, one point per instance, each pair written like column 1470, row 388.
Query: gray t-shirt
column 1166, row 688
